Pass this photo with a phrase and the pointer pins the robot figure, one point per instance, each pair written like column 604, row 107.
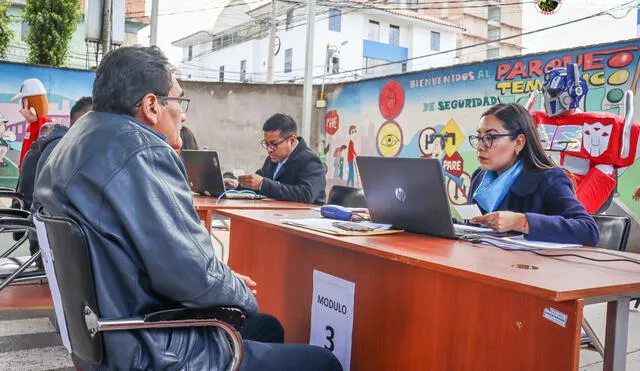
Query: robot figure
column 594, row 147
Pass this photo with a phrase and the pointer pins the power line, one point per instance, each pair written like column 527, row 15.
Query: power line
column 605, row 12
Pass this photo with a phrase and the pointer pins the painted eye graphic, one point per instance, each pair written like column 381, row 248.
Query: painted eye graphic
column 389, row 140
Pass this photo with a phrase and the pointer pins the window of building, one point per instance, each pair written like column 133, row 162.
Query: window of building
column 226, row 40
column 435, row 41
column 494, row 13
column 394, row 35
column 221, row 70
column 190, row 53
column 243, row 70
column 493, row 53
column 335, row 19
column 493, row 33
column 24, row 31
column 288, row 60
column 374, row 31
column 289, row 19
column 216, row 44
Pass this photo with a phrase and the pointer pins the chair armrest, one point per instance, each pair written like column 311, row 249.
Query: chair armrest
column 19, row 213
column 232, row 316
column 13, row 195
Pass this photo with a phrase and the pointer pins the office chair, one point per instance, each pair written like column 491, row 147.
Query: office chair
column 346, row 196
column 614, row 235
column 17, row 269
column 66, row 258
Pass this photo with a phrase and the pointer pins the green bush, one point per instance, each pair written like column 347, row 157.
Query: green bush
column 51, row 26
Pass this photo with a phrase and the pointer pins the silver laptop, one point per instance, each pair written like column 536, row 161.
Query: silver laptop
column 205, row 175
column 410, row 194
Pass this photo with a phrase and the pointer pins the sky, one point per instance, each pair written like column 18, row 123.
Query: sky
column 593, row 31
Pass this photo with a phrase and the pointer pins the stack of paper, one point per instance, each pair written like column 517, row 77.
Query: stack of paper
column 519, row 242
column 326, row 225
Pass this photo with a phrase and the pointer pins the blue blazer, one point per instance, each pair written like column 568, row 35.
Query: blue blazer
column 553, row 212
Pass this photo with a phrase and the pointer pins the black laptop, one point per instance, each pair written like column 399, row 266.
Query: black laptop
column 205, row 175
column 410, row 194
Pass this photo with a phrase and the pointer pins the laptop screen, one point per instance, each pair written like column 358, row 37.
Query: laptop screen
column 204, row 172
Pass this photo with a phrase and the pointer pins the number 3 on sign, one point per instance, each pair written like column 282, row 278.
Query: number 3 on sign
column 332, row 312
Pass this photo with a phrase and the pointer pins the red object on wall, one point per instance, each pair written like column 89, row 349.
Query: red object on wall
column 391, row 99
column 332, row 122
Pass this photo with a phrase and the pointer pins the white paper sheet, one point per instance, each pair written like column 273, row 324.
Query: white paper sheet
column 332, row 312
column 468, row 211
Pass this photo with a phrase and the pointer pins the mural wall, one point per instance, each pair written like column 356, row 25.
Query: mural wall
column 430, row 113
column 63, row 86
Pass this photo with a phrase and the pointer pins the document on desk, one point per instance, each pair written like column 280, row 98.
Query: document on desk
column 521, row 242
column 468, row 211
column 332, row 312
column 326, row 225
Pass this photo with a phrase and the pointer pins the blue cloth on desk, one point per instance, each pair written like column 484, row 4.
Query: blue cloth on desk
column 548, row 199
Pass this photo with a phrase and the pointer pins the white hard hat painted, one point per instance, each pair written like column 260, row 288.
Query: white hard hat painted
column 30, row 87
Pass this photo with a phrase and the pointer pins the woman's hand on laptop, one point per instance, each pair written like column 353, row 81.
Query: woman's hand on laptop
column 230, row 183
column 251, row 181
column 503, row 221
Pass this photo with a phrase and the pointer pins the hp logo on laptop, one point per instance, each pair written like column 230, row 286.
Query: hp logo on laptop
column 401, row 195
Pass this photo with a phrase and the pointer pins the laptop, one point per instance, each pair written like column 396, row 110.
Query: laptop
column 410, row 194
column 205, row 175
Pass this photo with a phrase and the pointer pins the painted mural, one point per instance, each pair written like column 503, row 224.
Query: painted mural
column 64, row 87
column 430, row 113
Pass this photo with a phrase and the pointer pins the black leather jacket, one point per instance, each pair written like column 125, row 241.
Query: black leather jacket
column 128, row 190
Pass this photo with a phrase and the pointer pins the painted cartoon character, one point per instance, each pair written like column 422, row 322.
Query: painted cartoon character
column 5, row 138
column 351, row 156
column 34, row 108
column 338, row 161
column 595, row 147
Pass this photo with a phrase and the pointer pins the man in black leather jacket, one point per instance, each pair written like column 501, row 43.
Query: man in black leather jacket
column 117, row 173
column 291, row 171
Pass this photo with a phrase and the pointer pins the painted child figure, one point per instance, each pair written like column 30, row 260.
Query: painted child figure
column 5, row 138
column 594, row 147
column 34, row 108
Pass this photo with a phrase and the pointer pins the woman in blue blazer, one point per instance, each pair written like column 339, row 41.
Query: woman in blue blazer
column 519, row 188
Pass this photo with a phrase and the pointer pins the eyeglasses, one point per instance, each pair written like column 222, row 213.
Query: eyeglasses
column 266, row 145
column 184, row 102
column 487, row 139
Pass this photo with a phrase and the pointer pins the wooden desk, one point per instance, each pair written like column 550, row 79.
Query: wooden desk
column 424, row 303
column 206, row 206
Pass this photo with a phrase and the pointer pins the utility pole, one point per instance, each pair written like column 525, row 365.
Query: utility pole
column 272, row 42
column 106, row 27
column 307, row 92
column 154, row 22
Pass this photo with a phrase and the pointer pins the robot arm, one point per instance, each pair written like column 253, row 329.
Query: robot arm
column 628, row 121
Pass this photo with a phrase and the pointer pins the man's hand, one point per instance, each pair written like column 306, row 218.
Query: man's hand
column 636, row 195
column 503, row 221
column 230, row 183
column 251, row 284
column 251, row 181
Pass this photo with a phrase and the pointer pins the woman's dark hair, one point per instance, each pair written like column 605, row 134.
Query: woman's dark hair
column 126, row 75
column 188, row 139
column 517, row 120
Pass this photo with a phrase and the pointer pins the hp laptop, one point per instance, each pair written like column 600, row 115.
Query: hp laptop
column 205, row 175
column 410, row 194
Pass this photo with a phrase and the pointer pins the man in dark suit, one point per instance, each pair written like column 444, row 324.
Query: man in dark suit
column 292, row 171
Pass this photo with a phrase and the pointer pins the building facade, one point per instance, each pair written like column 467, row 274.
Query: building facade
column 483, row 23
column 351, row 41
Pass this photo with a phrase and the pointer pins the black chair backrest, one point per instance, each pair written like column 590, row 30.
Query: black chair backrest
column 346, row 196
column 72, row 266
column 614, row 231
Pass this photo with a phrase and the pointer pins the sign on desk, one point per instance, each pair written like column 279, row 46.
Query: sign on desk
column 332, row 315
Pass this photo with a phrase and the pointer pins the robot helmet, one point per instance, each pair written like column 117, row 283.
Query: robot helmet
column 563, row 88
